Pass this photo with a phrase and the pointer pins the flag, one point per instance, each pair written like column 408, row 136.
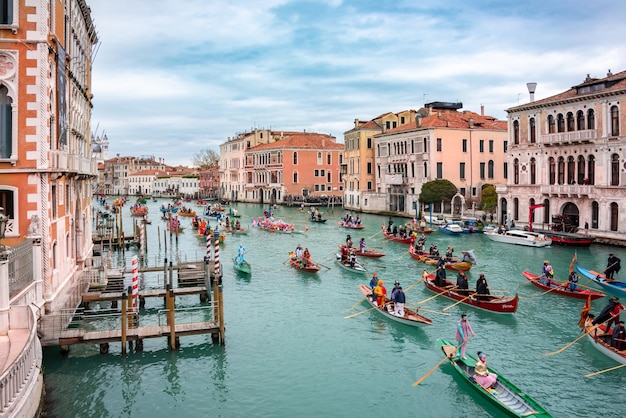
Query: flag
column 584, row 312
column 571, row 265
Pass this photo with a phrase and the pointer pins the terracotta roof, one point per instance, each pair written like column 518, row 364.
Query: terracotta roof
column 453, row 120
column 613, row 82
column 302, row 140
column 145, row 173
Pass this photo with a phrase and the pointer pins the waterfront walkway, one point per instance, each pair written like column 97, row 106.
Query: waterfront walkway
column 11, row 346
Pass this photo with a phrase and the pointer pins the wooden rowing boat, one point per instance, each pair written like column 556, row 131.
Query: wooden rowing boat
column 366, row 253
column 299, row 265
column 504, row 394
column 411, row 317
column 614, row 286
column 350, row 226
column 562, row 289
column 242, row 267
column 455, row 265
column 491, row 303
column 406, row 240
column 602, row 342
column 356, row 268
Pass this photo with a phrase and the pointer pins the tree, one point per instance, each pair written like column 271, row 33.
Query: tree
column 437, row 190
column 206, row 159
column 489, row 198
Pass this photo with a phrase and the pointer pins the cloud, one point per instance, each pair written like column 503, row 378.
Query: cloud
column 170, row 81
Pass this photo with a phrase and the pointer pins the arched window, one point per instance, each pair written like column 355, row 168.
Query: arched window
column 561, row 171
column 595, row 214
column 570, row 121
column 546, row 211
column 552, row 170
column 516, row 132
column 6, row 123
column 580, row 120
column 581, row 170
column 614, row 121
column 560, row 123
column 295, row 158
column 516, row 208
column 591, row 170
column 533, row 131
column 516, row 171
column 533, row 171
column 614, row 215
column 614, row 170
column 571, row 170
column 551, row 125
column 591, row 119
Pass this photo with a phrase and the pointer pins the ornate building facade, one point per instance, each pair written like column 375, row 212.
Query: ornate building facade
column 568, row 153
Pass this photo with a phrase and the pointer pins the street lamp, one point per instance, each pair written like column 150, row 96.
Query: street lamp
column 3, row 226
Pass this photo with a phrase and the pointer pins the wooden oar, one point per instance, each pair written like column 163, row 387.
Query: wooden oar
column 320, row 264
column 552, row 288
column 433, row 297
column 605, row 370
column 356, row 304
column 560, row 350
column 435, row 312
column 405, row 253
column 457, row 302
column 362, row 312
column 448, row 356
column 379, row 231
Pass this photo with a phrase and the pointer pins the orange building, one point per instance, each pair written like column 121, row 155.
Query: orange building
column 293, row 166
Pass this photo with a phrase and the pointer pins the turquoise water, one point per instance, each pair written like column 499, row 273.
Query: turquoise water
column 290, row 352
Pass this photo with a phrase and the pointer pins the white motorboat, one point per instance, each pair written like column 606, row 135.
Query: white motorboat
column 519, row 237
column 451, row 228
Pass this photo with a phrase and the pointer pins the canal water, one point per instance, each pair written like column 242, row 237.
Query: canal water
column 290, row 351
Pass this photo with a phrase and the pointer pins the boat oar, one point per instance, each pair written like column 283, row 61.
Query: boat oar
column 554, row 288
column 356, row 304
column 376, row 234
column 435, row 312
column 456, row 303
column 362, row 312
column 433, row 297
column 448, row 356
column 319, row 264
column 605, row 370
column 560, row 350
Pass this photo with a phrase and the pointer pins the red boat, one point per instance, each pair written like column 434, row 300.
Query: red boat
column 299, row 264
column 407, row 240
column 365, row 253
column 492, row 303
column 570, row 240
column 350, row 226
column 578, row 293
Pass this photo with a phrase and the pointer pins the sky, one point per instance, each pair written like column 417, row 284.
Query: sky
column 173, row 78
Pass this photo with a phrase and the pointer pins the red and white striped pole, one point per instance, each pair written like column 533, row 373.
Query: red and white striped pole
column 208, row 247
column 135, row 284
column 142, row 238
column 216, row 260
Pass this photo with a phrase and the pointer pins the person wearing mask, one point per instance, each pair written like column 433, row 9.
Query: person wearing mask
column 482, row 375
column 463, row 332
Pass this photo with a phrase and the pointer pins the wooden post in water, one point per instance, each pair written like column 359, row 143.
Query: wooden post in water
column 171, row 317
column 124, row 314
column 220, row 302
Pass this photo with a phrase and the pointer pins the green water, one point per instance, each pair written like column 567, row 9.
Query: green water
column 291, row 353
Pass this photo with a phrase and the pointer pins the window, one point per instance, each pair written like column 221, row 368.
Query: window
column 369, row 185
column 317, row 188
column 369, row 168
column 482, row 170
column 425, row 170
column 439, row 170
column 614, row 216
column 595, row 214
column 295, row 177
column 481, row 145
column 329, row 159
column 462, row 171
column 561, row 170
column 490, row 169
column 464, row 145
column 571, row 170
column 580, row 120
column 401, row 120
column 614, row 121
column 439, row 145
column 533, row 171
column 491, row 145
column 462, row 191
column 582, row 178
column 6, row 12
column 533, row 131
column 317, row 173
column 328, row 176
column 552, row 171
column 570, row 121
column 6, row 123
column 551, row 125
column 515, row 171
column 322, row 173
column 53, row 201
column 387, row 124
column 295, row 158
column 515, row 132
column 369, row 142
column 560, row 123
column 506, row 146
column 506, row 170
column 591, row 119
column 614, row 170
column 319, row 158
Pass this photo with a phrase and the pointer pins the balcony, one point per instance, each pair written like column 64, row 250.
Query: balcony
column 567, row 190
column 566, row 138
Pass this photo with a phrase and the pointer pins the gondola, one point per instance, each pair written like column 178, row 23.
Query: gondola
column 242, row 267
column 578, row 293
column 615, row 286
column 411, row 317
column 491, row 303
column 506, row 396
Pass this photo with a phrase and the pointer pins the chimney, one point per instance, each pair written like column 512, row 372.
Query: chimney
column 531, row 89
column 482, row 110
column 356, row 123
column 418, row 121
column 609, row 73
column 471, row 123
